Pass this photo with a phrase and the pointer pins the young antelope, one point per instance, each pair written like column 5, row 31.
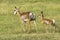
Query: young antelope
column 47, row 21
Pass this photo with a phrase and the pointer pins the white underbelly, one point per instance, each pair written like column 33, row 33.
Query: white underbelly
column 47, row 22
column 24, row 18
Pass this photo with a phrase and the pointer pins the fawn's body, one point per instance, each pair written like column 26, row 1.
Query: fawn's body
column 47, row 21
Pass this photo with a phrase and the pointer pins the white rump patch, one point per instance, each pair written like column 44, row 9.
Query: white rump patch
column 53, row 20
column 30, row 14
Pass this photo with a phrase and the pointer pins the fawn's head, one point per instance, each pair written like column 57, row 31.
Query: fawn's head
column 41, row 15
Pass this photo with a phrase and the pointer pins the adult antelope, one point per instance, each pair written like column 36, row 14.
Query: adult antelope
column 47, row 21
column 26, row 17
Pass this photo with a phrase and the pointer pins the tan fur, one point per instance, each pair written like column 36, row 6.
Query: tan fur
column 26, row 14
column 47, row 21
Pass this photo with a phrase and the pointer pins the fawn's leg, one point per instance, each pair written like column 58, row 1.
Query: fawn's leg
column 46, row 28
column 54, row 27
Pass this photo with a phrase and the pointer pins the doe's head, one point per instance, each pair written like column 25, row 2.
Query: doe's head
column 16, row 10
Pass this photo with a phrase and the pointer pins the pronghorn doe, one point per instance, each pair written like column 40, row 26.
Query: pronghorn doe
column 47, row 21
column 26, row 17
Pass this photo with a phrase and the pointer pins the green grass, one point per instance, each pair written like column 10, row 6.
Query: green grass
column 10, row 26
column 43, row 36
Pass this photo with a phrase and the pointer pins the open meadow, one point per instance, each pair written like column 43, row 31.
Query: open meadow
column 10, row 25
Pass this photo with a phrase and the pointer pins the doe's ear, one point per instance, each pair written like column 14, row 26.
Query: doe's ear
column 15, row 7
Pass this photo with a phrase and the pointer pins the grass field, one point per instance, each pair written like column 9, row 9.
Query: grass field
column 10, row 26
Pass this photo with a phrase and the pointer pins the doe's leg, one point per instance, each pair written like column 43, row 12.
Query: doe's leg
column 23, row 26
column 35, row 25
column 29, row 23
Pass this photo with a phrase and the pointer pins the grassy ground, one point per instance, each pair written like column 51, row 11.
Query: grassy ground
column 10, row 27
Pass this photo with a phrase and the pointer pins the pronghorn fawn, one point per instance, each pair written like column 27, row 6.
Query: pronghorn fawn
column 26, row 17
column 47, row 21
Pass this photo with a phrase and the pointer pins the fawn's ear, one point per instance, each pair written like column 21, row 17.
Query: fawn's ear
column 41, row 11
